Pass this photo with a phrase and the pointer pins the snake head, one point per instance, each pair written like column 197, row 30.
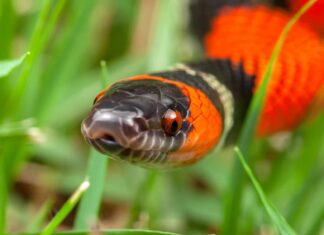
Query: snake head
column 144, row 120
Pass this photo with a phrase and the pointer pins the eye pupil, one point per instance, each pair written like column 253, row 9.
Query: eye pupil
column 174, row 126
column 171, row 122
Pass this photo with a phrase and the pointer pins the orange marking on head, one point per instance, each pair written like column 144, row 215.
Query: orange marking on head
column 101, row 94
column 206, row 123
column 298, row 75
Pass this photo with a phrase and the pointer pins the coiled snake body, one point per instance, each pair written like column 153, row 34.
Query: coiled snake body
column 174, row 117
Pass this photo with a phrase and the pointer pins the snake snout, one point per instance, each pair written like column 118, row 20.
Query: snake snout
column 109, row 130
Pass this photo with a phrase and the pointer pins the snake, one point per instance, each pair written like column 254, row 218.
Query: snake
column 173, row 118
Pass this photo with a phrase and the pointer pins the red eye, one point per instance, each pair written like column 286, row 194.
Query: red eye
column 171, row 122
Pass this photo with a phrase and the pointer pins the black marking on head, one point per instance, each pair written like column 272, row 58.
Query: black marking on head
column 154, row 97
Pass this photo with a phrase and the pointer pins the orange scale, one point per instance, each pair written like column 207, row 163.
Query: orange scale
column 189, row 119
column 194, row 94
column 216, row 122
column 184, row 91
column 190, row 142
column 195, row 110
column 205, row 111
column 283, row 106
column 295, row 101
column 200, row 123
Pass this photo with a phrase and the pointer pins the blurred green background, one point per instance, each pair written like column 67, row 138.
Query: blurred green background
column 43, row 157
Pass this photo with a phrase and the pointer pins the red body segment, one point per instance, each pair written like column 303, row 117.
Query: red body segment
column 248, row 35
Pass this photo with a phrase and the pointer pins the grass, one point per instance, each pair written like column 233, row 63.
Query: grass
column 7, row 66
column 66, row 209
column 88, row 211
column 278, row 220
column 43, row 157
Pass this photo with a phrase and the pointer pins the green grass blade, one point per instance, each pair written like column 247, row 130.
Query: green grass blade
column 3, row 198
column 9, row 130
column 88, row 210
column 65, row 66
column 6, row 66
column 162, row 46
column 302, row 196
column 318, row 224
column 142, row 196
column 134, row 65
column 14, row 154
column 234, row 195
column 45, row 24
column 104, row 73
column 33, row 48
column 111, row 232
column 277, row 219
column 8, row 20
column 65, row 210
column 36, row 224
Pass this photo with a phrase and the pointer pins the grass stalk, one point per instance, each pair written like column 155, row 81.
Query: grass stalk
column 7, row 24
column 8, row 65
column 40, row 217
column 277, row 219
column 302, row 196
column 65, row 66
column 3, row 198
column 34, row 47
column 104, row 74
column 12, row 106
column 317, row 226
column 65, row 210
column 111, row 232
column 88, row 210
column 44, row 27
column 141, row 197
column 234, row 195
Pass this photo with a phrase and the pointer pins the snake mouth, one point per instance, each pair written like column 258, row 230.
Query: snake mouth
column 109, row 145
column 106, row 145
column 109, row 139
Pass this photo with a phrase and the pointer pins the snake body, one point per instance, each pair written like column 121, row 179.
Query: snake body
column 173, row 118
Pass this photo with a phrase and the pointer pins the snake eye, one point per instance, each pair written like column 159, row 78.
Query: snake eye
column 171, row 122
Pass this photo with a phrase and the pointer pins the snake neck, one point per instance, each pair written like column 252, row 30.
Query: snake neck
column 227, row 86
